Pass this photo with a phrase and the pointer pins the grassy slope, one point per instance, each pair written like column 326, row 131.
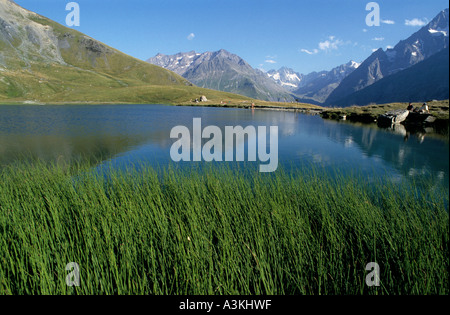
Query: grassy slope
column 95, row 73
column 218, row 232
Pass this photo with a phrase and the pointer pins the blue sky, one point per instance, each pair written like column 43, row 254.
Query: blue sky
column 306, row 35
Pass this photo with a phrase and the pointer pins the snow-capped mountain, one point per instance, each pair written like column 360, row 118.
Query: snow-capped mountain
column 223, row 71
column 313, row 87
column 178, row 63
column 427, row 80
column 286, row 78
column 319, row 85
column 423, row 44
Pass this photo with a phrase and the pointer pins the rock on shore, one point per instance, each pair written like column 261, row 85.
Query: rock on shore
column 393, row 117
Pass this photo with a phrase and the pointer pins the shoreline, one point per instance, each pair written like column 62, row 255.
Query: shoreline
column 370, row 113
column 357, row 114
column 309, row 108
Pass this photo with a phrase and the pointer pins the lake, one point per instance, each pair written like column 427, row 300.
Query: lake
column 116, row 135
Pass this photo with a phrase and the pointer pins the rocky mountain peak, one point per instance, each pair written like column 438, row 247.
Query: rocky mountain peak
column 441, row 21
column 423, row 44
column 224, row 71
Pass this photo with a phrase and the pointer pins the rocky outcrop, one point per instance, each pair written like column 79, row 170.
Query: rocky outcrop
column 393, row 117
column 405, row 117
column 420, row 118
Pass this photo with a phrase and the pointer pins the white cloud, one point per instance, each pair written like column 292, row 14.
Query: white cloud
column 313, row 52
column 390, row 22
column 365, row 30
column 379, row 39
column 330, row 44
column 191, row 36
column 415, row 22
column 271, row 61
column 389, row 47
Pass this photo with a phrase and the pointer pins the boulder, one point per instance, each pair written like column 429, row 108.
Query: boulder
column 393, row 117
column 203, row 99
column 419, row 118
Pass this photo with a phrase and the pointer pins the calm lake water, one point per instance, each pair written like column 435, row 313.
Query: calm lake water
column 120, row 134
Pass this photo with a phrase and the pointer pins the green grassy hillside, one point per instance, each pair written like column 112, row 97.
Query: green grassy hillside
column 42, row 61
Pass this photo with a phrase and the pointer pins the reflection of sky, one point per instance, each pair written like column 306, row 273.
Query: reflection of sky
column 331, row 152
column 137, row 133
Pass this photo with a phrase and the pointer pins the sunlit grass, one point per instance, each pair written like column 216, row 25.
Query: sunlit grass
column 217, row 231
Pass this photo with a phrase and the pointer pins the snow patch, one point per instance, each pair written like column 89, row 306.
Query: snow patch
column 439, row 31
column 276, row 76
column 293, row 77
column 355, row 64
column 289, row 84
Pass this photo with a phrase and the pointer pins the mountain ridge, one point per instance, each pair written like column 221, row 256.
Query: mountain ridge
column 319, row 85
column 41, row 61
column 223, row 71
column 421, row 45
column 425, row 81
column 314, row 87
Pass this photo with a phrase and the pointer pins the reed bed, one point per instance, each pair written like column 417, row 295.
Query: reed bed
column 217, row 231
